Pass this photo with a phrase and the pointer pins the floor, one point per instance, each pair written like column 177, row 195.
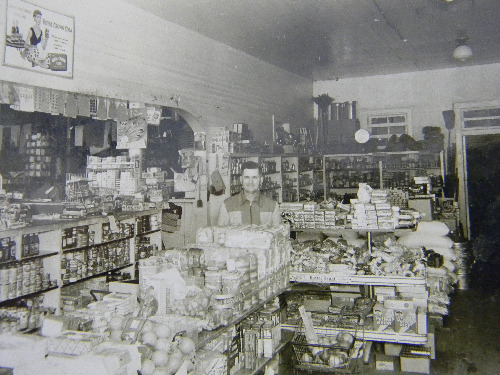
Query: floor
column 467, row 343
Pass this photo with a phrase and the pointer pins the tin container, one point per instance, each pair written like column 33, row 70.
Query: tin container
column 231, row 282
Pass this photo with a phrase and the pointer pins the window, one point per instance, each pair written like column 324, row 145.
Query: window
column 481, row 118
column 384, row 124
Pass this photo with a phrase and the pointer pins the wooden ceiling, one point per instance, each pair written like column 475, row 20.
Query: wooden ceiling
column 332, row 39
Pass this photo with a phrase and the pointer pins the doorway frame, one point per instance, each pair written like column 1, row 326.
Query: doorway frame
column 461, row 153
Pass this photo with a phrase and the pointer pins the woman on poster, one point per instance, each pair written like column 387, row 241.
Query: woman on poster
column 35, row 38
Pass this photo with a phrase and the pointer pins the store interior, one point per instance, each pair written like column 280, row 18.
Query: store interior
column 122, row 147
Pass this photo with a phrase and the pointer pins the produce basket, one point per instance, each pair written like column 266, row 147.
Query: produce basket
column 336, row 351
column 335, row 358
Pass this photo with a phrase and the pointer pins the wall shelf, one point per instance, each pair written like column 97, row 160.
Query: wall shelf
column 27, row 296
column 51, row 234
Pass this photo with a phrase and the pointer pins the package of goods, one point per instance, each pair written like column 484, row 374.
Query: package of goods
column 317, row 302
column 168, row 287
column 398, row 303
column 111, row 307
column 121, row 303
column 384, row 362
column 415, row 359
column 289, row 206
column 262, row 239
column 60, row 365
column 405, row 320
column 211, row 363
column 310, row 207
column 383, row 317
column 113, row 359
column 340, row 301
column 382, row 292
column 74, row 342
column 14, row 349
column 147, row 268
column 53, row 326
column 424, row 206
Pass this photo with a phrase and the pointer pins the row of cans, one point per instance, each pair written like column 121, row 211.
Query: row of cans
column 8, row 249
column 123, row 230
column 22, row 279
column 77, row 237
column 77, row 265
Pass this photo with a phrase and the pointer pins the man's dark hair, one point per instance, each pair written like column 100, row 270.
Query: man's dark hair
column 250, row 165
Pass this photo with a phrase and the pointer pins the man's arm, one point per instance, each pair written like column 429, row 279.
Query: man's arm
column 223, row 219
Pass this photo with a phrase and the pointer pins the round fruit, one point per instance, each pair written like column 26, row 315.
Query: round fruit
column 162, row 331
column 149, row 338
column 148, row 326
column 160, row 358
column 306, row 357
column 163, row 344
column 345, row 339
column 148, row 367
column 337, row 359
column 186, row 345
column 174, row 362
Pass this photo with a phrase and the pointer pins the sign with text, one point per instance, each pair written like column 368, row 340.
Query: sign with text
column 39, row 39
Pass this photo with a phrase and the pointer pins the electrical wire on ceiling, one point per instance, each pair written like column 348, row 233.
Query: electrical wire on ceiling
column 388, row 23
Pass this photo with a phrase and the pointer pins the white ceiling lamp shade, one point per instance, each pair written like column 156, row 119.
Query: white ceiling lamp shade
column 463, row 52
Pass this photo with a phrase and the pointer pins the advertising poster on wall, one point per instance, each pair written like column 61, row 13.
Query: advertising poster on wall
column 39, row 39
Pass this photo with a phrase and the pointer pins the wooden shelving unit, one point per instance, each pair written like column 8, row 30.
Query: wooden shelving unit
column 51, row 251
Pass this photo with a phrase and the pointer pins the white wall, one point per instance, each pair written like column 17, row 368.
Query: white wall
column 427, row 93
column 123, row 52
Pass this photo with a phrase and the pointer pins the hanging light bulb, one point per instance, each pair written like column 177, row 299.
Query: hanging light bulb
column 463, row 51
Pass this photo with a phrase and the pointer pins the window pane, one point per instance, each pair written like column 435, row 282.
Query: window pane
column 379, row 120
column 397, row 119
column 482, row 123
column 397, row 130
column 490, row 112
column 379, row 130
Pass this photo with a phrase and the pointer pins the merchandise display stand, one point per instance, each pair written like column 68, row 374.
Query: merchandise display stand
column 117, row 242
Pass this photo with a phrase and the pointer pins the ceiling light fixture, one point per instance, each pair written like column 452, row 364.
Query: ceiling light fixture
column 463, row 51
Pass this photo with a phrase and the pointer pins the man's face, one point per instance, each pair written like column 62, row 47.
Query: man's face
column 251, row 180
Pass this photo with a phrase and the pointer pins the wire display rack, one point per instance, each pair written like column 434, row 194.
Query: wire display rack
column 334, row 354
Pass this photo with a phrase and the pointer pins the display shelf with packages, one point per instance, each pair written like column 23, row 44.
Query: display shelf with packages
column 384, row 170
column 40, row 259
column 397, row 312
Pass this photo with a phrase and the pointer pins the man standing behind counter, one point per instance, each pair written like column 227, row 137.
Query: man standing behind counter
column 249, row 207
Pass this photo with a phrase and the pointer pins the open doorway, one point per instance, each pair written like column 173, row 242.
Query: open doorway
column 483, row 186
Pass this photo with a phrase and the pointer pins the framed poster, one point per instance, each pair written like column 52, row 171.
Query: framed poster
column 39, row 39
